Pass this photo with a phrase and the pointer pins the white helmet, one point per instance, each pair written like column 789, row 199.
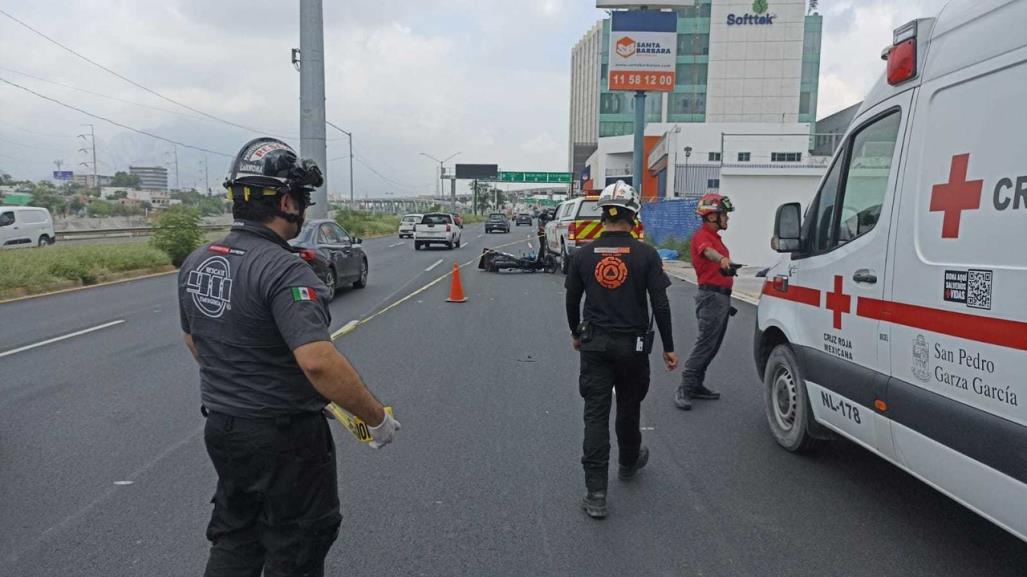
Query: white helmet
column 621, row 195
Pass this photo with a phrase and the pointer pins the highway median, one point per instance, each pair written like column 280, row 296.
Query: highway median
column 38, row 271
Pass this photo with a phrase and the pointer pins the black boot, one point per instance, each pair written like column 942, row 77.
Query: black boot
column 594, row 504
column 682, row 398
column 625, row 473
column 701, row 392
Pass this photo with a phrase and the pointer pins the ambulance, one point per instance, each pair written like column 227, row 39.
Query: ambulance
column 898, row 316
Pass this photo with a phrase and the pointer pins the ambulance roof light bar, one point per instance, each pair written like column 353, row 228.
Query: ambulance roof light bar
column 901, row 55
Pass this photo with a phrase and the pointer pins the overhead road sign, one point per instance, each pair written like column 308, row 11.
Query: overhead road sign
column 477, row 171
column 643, row 51
column 537, row 177
column 63, row 174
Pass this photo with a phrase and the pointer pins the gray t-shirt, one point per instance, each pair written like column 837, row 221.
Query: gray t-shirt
column 248, row 301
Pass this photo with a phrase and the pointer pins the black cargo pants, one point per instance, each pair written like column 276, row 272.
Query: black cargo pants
column 712, row 311
column 276, row 508
column 609, row 363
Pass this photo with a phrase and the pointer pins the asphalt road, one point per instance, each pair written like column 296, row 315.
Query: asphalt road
column 103, row 470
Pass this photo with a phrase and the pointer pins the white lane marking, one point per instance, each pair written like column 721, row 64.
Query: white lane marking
column 346, row 329
column 58, row 339
column 397, row 244
column 432, row 267
column 123, row 482
column 481, row 235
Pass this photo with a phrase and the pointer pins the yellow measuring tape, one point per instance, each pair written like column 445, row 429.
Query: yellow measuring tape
column 352, row 423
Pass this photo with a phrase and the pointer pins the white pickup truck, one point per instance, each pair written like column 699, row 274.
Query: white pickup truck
column 437, row 228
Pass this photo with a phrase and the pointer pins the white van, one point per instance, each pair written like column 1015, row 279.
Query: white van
column 25, row 226
column 899, row 318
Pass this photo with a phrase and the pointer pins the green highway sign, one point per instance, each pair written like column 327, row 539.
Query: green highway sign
column 536, row 177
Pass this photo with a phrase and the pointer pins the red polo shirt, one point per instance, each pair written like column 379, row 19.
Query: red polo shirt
column 707, row 271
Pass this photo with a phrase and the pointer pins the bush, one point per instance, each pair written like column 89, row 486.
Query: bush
column 366, row 224
column 42, row 269
column 177, row 233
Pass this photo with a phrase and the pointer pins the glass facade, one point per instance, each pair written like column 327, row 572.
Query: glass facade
column 687, row 103
column 810, row 82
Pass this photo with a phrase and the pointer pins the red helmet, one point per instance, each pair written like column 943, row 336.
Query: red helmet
column 713, row 203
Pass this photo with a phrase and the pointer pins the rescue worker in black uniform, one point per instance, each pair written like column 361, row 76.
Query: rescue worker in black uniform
column 256, row 318
column 615, row 272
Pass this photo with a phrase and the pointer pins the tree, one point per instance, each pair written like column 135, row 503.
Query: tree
column 125, row 179
column 177, row 233
column 100, row 208
column 813, row 5
column 6, row 179
column 45, row 195
column 119, row 194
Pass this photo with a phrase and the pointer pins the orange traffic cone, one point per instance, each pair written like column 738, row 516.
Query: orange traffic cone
column 456, row 288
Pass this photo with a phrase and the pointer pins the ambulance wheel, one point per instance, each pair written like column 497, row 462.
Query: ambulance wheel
column 787, row 402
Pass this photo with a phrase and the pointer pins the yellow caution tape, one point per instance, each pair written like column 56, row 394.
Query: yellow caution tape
column 352, row 423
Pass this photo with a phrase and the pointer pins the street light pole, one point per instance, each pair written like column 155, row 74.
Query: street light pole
column 349, row 135
column 688, row 154
column 438, row 183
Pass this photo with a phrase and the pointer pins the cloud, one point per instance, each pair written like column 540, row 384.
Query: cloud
column 855, row 33
column 487, row 78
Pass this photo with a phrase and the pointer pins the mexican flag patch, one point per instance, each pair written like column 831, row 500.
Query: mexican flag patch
column 302, row 293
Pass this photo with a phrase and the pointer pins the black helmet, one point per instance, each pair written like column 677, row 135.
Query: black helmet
column 269, row 167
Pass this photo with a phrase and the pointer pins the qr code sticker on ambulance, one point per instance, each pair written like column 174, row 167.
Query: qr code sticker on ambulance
column 978, row 289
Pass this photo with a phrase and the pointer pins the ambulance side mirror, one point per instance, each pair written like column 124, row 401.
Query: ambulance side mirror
column 787, row 228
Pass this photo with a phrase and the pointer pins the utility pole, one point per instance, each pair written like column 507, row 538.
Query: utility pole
column 349, row 135
column 178, row 183
column 312, row 97
column 92, row 142
column 639, row 162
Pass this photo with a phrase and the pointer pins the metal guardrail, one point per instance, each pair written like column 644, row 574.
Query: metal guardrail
column 128, row 232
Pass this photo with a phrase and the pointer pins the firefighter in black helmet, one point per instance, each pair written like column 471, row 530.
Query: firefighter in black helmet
column 615, row 273
column 256, row 319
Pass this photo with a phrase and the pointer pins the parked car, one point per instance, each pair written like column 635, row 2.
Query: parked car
column 437, row 228
column 25, row 226
column 523, row 218
column 406, row 225
column 896, row 316
column 577, row 222
column 497, row 222
column 337, row 258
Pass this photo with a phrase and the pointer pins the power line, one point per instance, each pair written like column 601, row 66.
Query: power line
column 101, row 95
column 43, row 134
column 384, row 178
column 114, row 122
column 133, row 82
column 23, row 145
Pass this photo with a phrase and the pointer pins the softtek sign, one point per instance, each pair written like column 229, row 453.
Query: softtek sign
column 760, row 18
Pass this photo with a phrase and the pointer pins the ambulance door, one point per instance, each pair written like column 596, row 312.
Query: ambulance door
column 957, row 399
column 845, row 241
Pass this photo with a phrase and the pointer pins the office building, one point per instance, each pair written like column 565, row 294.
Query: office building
column 151, row 177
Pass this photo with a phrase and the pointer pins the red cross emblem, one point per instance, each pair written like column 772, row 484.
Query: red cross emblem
column 839, row 302
column 957, row 195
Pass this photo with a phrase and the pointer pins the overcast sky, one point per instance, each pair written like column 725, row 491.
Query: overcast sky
column 487, row 78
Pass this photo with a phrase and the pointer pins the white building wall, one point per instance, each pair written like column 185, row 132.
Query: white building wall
column 755, row 70
column 586, row 59
column 756, row 195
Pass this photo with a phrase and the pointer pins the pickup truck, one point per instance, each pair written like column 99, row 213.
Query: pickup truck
column 576, row 223
column 437, row 228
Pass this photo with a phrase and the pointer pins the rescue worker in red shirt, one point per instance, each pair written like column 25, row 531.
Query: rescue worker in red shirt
column 714, row 271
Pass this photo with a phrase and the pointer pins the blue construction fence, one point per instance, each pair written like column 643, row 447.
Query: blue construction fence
column 670, row 218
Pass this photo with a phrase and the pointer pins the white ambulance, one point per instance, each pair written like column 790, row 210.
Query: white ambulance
column 899, row 317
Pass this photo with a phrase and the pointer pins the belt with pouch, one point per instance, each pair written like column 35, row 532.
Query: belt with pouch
column 714, row 288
